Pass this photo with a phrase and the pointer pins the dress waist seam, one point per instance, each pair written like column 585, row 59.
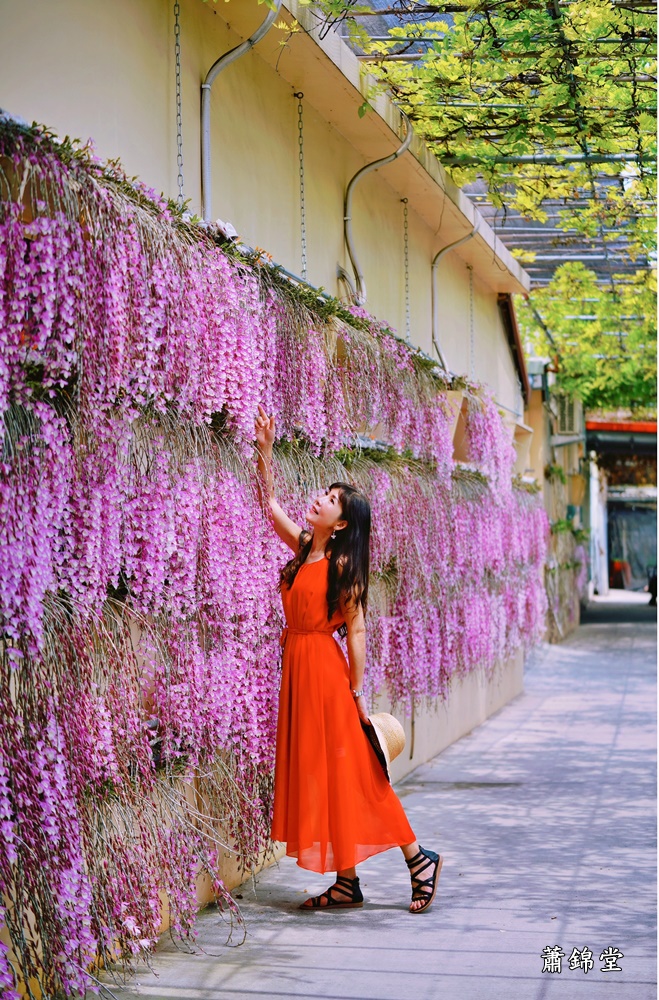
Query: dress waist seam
column 309, row 631
column 305, row 631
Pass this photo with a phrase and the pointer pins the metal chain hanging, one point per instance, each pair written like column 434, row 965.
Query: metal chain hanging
column 179, row 116
column 406, row 246
column 303, row 218
column 472, row 345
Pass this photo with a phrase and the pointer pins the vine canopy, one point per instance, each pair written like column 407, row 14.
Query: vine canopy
column 547, row 110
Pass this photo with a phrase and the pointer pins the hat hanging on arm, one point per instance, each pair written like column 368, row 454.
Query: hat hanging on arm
column 387, row 737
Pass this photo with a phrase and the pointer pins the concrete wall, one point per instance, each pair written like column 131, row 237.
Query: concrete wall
column 472, row 699
column 540, row 451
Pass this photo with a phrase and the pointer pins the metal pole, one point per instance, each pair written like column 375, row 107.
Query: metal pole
column 555, row 160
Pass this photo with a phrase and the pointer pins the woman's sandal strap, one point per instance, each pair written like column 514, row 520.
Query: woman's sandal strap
column 410, row 862
column 416, row 876
column 418, row 893
column 348, row 894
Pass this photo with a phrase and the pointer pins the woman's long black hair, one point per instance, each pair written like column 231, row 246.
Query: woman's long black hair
column 348, row 552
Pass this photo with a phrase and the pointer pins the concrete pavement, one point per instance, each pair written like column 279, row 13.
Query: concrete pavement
column 546, row 818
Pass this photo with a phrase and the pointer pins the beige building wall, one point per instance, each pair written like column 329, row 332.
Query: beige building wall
column 540, row 454
column 473, row 698
column 89, row 68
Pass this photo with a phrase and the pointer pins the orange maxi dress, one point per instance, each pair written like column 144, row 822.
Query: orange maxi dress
column 333, row 804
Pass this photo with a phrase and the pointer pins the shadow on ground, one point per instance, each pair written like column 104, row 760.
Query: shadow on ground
column 546, row 817
column 616, row 613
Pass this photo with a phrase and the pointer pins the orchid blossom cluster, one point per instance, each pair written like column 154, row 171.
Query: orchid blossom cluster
column 490, row 449
column 138, row 569
column 457, row 572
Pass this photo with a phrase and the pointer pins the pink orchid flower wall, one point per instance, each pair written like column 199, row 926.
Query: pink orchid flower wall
column 138, row 576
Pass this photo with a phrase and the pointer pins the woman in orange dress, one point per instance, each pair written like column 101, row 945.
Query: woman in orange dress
column 333, row 805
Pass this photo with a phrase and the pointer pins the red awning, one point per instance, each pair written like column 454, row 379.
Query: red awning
column 630, row 426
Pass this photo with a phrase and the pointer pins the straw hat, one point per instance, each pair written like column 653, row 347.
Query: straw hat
column 387, row 737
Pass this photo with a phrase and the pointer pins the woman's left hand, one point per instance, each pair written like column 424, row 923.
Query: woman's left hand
column 362, row 709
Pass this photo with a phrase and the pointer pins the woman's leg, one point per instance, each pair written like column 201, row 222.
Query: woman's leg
column 409, row 850
column 424, row 867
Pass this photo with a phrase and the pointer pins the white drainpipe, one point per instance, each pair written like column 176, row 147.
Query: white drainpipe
column 358, row 289
column 433, row 284
column 225, row 60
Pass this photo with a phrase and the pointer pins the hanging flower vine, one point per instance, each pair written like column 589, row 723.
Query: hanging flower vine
column 138, row 603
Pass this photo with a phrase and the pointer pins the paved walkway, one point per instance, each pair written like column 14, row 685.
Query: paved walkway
column 545, row 815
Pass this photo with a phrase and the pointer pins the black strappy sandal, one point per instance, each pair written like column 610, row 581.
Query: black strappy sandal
column 350, row 899
column 420, row 886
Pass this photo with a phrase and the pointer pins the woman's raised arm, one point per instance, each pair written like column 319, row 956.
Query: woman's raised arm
column 288, row 530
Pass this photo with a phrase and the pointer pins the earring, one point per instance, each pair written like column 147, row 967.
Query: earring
column 333, row 534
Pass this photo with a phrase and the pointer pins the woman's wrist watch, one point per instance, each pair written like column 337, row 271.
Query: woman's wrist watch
column 357, row 694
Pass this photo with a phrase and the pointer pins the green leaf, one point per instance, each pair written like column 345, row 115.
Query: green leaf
column 508, row 78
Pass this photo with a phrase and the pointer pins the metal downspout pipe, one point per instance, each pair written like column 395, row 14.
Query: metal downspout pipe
column 358, row 289
column 220, row 64
column 433, row 285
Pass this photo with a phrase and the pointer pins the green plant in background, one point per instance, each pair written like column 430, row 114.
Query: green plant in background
column 605, row 337
column 563, row 524
column 555, row 472
column 541, row 100
column 544, row 103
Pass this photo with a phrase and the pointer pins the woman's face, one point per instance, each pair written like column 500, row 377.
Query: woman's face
column 326, row 511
